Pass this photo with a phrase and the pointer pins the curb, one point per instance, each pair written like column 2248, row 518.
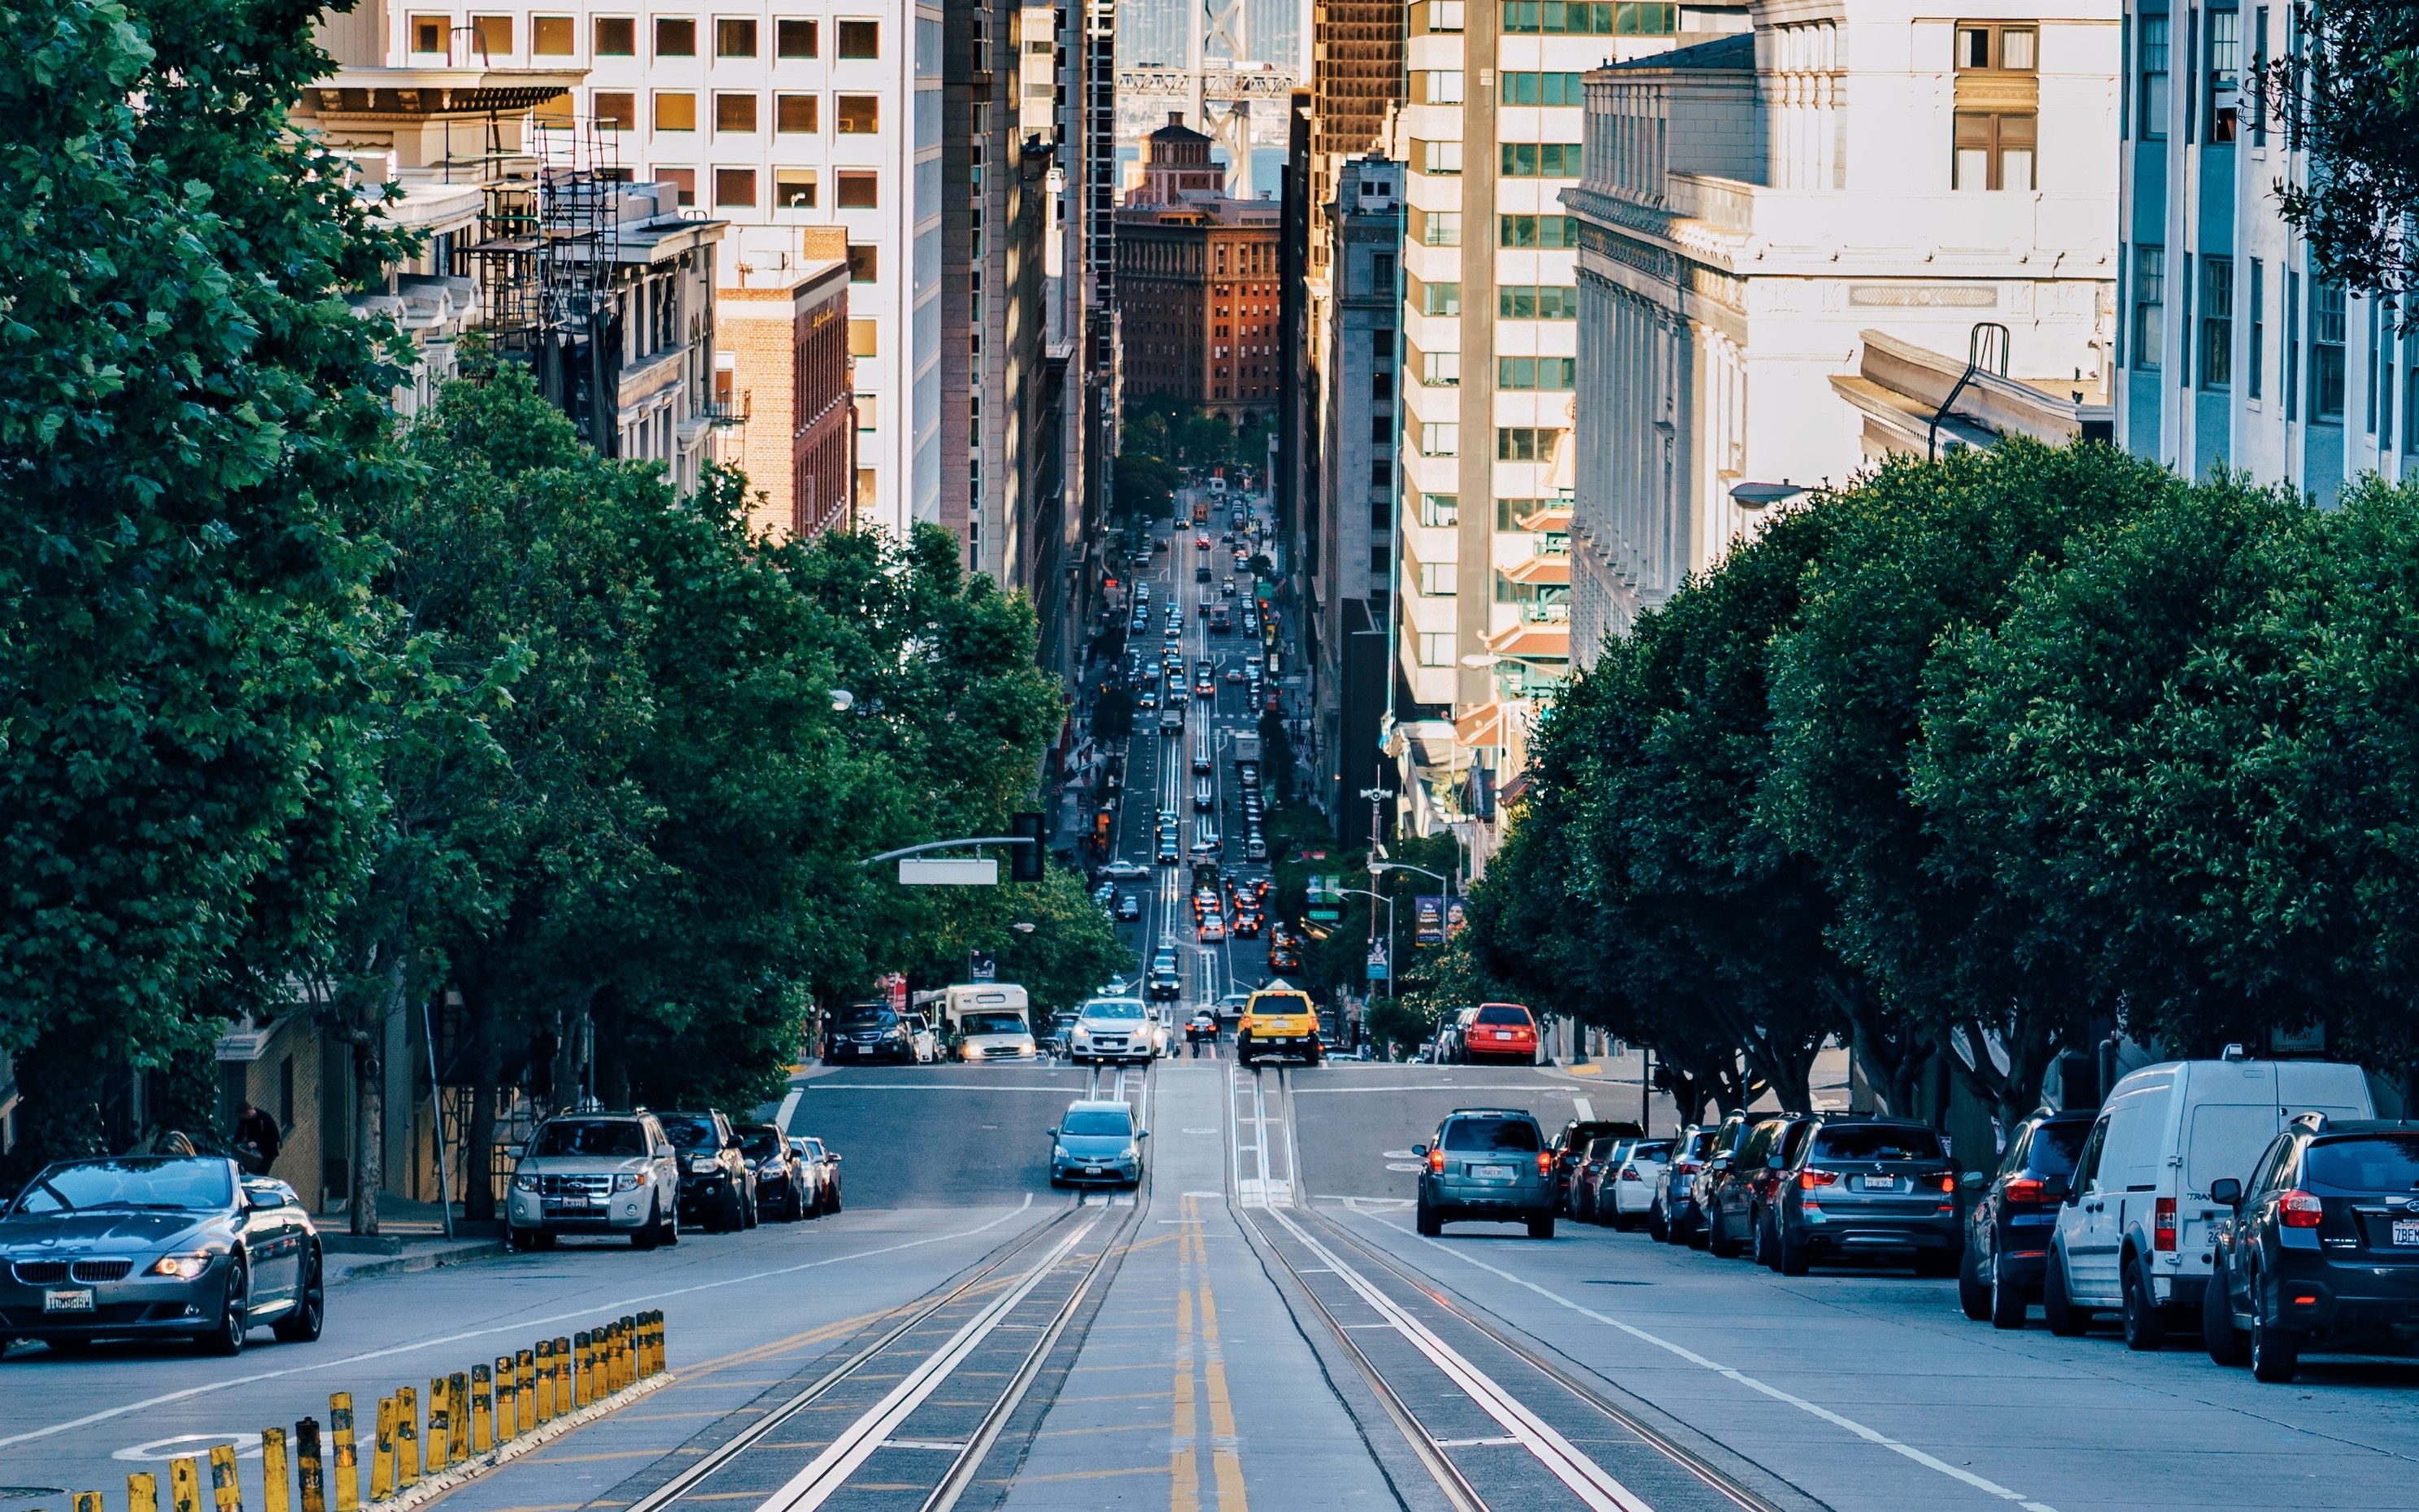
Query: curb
column 432, row 1486
column 405, row 1264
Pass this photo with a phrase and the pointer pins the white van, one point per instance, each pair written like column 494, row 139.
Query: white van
column 2133, row 1231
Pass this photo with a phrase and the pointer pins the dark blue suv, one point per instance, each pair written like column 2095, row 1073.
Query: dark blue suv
column 2014, row 1212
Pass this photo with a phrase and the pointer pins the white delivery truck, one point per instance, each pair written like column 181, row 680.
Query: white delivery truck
column 1247, row 751
column 2133, row 1232
column 988, row 1021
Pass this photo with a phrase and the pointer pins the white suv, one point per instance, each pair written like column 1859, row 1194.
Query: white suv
column 1113, row 1028
column 596, row 1173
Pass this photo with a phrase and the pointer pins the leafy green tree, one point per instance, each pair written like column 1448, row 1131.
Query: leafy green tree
column 2349, row 96
column 188, row 420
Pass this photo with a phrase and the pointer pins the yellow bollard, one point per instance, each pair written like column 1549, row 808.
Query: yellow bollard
column 406, row 1438
column 524, row 1389
column 656, row 1341
column 508, row 1399
column 347, row 1464
column 87, row 1501
column 275, row 1484
column 224, row 1488
column 457, row 1417
column 381, row 1454
column 143, row 1492
column 606, row 1350
column 482, row 1418
column 618, row 1337
column 433, row 1446
column 311, row 1479
column 582, row 1353
column 566, row 1389
column 543, row 1396
column 642, row 1346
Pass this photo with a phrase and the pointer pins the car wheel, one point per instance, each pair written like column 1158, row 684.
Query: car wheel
column 2218, row 1334
column 1719, row 1243
column 521, row 1240
column 2146, row 1325
column 2065, row 1319
column 1622, row 1223
column 309, row 1314
column 1762, row 1249
column 235, row 1317
column 1972, row 1295
column 833, row 1206
column 1541, row 1225
column 2275, row 1355
column 671, row 1222
column 1659, row 1228
column 1794, row 1260
column 542, row 1239
column 651, row 1233
column 2008, row 1300
column 726, row 1213
column 1426, row 1220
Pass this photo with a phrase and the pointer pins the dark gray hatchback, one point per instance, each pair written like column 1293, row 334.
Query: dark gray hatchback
column 1866, row 1189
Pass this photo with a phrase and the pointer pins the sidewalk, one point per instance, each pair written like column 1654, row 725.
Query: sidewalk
column 411, row 1237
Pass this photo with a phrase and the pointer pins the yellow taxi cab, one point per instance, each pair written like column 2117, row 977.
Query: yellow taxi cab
column 1278, row 1020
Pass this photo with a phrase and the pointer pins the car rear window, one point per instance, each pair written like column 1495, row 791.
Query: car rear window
column 590, row 1136
column 866, row 1018
column 1506, row 1014
column 1655, row 1149
column 1875, row 1141
column 2365, row 1163
column 1490, row 1133
column 1282, row 1003
column 2055, row 1147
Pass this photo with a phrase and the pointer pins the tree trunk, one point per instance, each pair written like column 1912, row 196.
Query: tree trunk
column 369, row 1079
column 479, row 1141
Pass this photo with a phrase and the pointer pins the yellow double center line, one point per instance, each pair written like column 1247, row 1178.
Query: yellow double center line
column 1184, row 1460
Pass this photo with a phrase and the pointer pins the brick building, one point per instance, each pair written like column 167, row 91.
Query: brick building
column 787, row 339
column 1200, row 283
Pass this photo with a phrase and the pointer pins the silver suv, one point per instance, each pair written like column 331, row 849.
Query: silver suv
column 596, row 1173
column 1489, row 1164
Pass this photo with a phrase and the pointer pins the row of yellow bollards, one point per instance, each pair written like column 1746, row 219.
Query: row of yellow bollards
column 468, row 1414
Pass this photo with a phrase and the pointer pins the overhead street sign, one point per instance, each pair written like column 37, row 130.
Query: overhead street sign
column 936, row 872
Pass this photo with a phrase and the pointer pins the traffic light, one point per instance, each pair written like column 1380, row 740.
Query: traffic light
column 1026, row 863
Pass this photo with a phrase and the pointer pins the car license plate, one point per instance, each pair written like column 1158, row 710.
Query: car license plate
column 1491, row 1173
column 1875, row 1183
column 2406, row 1231
column 67, row 1302
column 1091, row 1170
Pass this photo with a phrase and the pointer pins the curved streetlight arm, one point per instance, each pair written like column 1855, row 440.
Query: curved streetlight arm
column 945, row 844
column 1376, row 867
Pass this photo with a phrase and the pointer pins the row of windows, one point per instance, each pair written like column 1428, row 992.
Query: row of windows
column 793, row 115
column 1439, row 510
column 1513, row 444
column 1540, row 89
column 1540, row 159
column 2210, row 337
column 1544, row 231
column 676, row 36
column 1559, row 375
column 2219, row 105
column 1512, row 301
column 1591, row 18
column 794, row 189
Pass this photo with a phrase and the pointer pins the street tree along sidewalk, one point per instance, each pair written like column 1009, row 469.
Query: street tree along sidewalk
column 2017, row 744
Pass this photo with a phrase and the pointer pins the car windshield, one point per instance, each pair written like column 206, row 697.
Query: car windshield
column 759, row 1143
column 867, row 1018
column 1112, row 1008
column 142, row 1182
column 687, row 1130
column 990, row 1024
column 590, row 1136
column 1490, row 1133
column 2055, row 1147
column 1875, row 1141
column 2365, row 1163
column 1097, row 1122
column 1505, row 1015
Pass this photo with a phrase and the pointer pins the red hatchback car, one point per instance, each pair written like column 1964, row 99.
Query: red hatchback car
column 1503, row 1031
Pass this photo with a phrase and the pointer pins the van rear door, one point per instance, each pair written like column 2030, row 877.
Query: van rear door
column 2229, row 1118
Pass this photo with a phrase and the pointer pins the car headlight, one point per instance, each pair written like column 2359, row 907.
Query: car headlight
column 705, row 1166
column 524, row 1181
column 183, row 1266
column 629, row 1181
column 1133, row 1152
column 1058, row 1153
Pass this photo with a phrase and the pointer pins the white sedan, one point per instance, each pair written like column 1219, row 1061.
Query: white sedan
column 1632, row 1183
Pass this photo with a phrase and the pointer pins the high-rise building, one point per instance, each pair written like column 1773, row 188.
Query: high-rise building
column 1197, row 283
column 2230, row 350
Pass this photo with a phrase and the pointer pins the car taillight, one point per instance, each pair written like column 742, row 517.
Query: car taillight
column 1686, row 1167
column 1808, row 1179
column 2163, row 1223
column 2024, row 1189
column 1436, row 1160
column 1545, row 1163
column 1629, row 1173
column 1946, row 1182
column 2297, row 1209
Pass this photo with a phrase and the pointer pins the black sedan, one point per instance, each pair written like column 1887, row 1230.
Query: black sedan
column 717, row 1188
column 781, row 1182
column 157, row 1246
column 2007, row 1235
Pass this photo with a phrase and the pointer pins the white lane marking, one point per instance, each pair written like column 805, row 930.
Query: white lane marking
column 514, row 1327
column 1061, row 1087
column 1816, row 1408
column 828, row 1471
column 1589, row 1481
column 246, row 1446
column 1585, row 1109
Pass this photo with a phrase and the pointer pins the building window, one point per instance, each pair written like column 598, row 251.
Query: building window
column 2150, row 306
column 1540, row 159
column 2154, row 76
column 858, row 191
column 1435, row 299
column 865, row 338
column 864, row 267
column 2255, row 358
column 1994, row 151
column 2258, row 100
column 1443, row 15
column 683, row 182
column 796, row 38
column 1440, row 511
column 552, row 37
column 1985, row 45
column 1437, row 579
column 1540, row 89
column 1591, row 18
column 1556, row 232
column 1440, row 229
column 856, row 115
column 1437, row 86
column 797, row 114
column 1536, row 301
column 859, row 38
column 2292, row 368
column 794, row 189
column 676, row 111
column 1439, row 438
column 734, row 37
column 1436, row 157
column 1440, row 370
column 431, row 33
column 2216, row 322
column 734, row 112
column 1381, row 475
column 1553, row 373
column 734, row 188
column 1437, row 648
column 492, row 36
column 2225, row 60
column 615, row 110
column 616, row 36
column 676, row 36
column 2326, row 353
column 1525, row 443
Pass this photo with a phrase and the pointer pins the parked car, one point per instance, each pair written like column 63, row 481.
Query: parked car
column 2319, row 1250
column 1449, row 1032
column 1853, row 1188
column 924, row 1038
column 1745, row 1185
column 824, row 1162
column 1587, row 1178
column 810, row 1177
column 2134, row 1235
column 1062, row 1023
column 780, row 1192
column 2007, row 1233
column 596, row 1173
column 1627, row 1190
column 1674, row 1217
column 1488, row 1164
column 864, row 1032
column 716, row 1188
column 1096, row 1142
column 151, row 1246
column 1727, row 1136
column 1570, row 1146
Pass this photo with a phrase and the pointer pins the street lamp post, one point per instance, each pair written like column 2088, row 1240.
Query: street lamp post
column 1390, row 932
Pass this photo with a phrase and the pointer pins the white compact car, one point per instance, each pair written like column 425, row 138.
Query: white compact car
column 1113, row 1028
column 1633, row 1182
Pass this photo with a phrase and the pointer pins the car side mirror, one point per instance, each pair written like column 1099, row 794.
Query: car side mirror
column 1973, row 1180
column 520, row 1151
column 1054, row 1130
column 2226, row 1189
column 1773, row 1163
column 1142, row 1133
column 1419, row 1151
column 833, row 1157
